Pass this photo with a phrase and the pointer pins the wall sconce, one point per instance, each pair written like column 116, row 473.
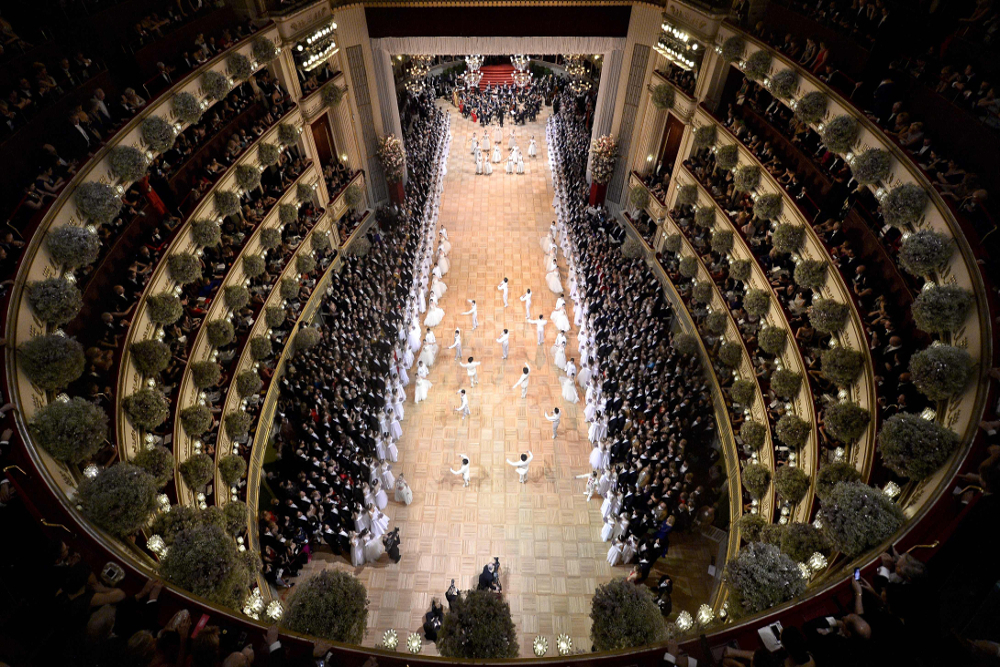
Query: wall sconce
column 892, row 490
column 413, row 643
column 540, row 646
column 90, row 472
column 705, row 615
column 390, row 639
column 817, row 562
column 684, row 621
column 564, row 644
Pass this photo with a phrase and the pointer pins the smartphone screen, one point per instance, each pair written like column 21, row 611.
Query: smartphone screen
column 202, row 622
column 857, row 574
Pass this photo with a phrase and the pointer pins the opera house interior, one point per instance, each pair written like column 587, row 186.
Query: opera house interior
column 717, row 387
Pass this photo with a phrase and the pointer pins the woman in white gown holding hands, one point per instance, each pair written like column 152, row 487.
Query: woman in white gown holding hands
column 357, row 550
column 559, row 317
column 569, row 393
column 442, row 262
column 559, row 351
column 520, row 161
column 553, row 282
column 532, row 148
column 496, row 154
column 434, row 313
column 428, row 354
column 403, row 492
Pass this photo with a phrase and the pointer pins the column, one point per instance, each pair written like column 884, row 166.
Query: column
column 284, row 69
column 607, row 92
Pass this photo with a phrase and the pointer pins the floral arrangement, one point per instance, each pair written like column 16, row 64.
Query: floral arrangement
column 812, row 107
column 746, row 178
column 704, row 137
column 253, row 266
column 857, row 517
column 478, row 626
column 354, row 196
column 232, row 468
column 603, row 156
column 320, row 241
column 72, row 246
column 722, row 241
column 263, row 50
column 158, row 462
column 802, row 540
column 753, row 434
column 184, row 268
column 785, row 383
column 305, row 263
column 236, row 297
column 158, row 134
column 689, row 266
column 941, row 371
column 845, row 421
column 625, row 616
column 275, row 316
column 828, row 316
column 288, row 213
column 792, row 431
column 307, row 337
column 287, row 134
column 702, row 291
column 792, row 484
column 915, row 447
column 71, row 430
column 239, row 66
column 197, row 471
column 756, row 480
column 871, row 166
column 260, row 348
column 226, row 203
column 206, row 233
column 767, row 206
column 150, row 356
column 743, row 392
column 772, row 340
column 238, row 424
column 205, row 374
column 289, row 288
column 204, row 560
column 51, row 361
column 904, row 205
column 147, row 408
column 215, row 85
column 54, row 300
column 740, row 269
column 730, row 354
column 638, row 196
column 787, row 238
column 127, row 163
column 270, row 238
column 716, row 323
column 758, row 64
column 332, row 605
column 268, row 154
column 248, row 383
column 97, row 202
column 750, row 526
column 924, row 252
column 757, row 302
column 672, row 243
column 942, row 308
column 333, row 94
column 704, row 216
column 760, row 577
column 810, row 274
column 832, row 474
column 727, row 157
column 196, row 420
column 186, row 108
column 686, row 345
column 840, row 133
column 304, row 193
column 235, row 514
column 164, row 308
column 841, row 365
column 733, row 48
column 783, row 83
column 687, row 195
column 663, row 96
column 392, row 157
column 120, row 499
column 247, row 177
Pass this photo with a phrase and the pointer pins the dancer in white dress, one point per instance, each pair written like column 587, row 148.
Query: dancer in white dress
column 496, row 154
column 608, row 530
column 474, row 144
column 403, row 492
column 513, row 142
column 374, row 549
column 479, row 163
column 388, row 479
column 438, row 287
column 357, row 550
column 559, row 351
column 614, row 553
column 443, row 263
column 520, row 162
column 595, row 458
column 381, row 499
column 487, row 168
column 445, row 243
column 559, row 317
column 497, row 134
column 485, row 145
column 569, row 393
column 428, row 353
column 413, row 337
column 532, row 148
column 552, row 281
column 510, row 163
column 421, row 389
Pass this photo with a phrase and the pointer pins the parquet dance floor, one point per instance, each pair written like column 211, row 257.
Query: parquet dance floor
column 545, row 533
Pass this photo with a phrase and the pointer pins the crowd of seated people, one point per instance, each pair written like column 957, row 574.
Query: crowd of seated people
column 314, row 79
column 340, row 402
column 157, row 25
column 39, row 85
column 650, row 409
column 682, row 78
column 864, row 20
column 202, row 50
column 337, row 175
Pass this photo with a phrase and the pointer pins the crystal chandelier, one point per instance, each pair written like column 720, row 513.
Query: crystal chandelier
column 474, row 62
column 522, row 79
column 419, row 70
column 520, row 61
column 472, row 78
column 415, row 86
column 579, row 86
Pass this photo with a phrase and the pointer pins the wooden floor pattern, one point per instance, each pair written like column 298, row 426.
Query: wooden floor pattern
column 545, row 532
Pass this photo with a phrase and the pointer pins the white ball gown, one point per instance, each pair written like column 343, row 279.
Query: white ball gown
column 374, row 550
column 428, row 354
column 403, row 492
column 488, row 168
column 420, row 392
column 553, row 282
column 479, row 163
column 559, row 355
column 607, row 532
column 510, row 164
column 438, row 288
column 443, row 263
column 434, row 315
column 520, row 164
column 445, row 245
column 413, row 338
column 532, row 148
column 559, row 318
column 357, row 552
column 496, row 154
column 614, row 554
column 595, row 459
column 569, row 393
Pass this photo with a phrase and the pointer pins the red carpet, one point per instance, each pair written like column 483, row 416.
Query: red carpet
column 496, row 75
